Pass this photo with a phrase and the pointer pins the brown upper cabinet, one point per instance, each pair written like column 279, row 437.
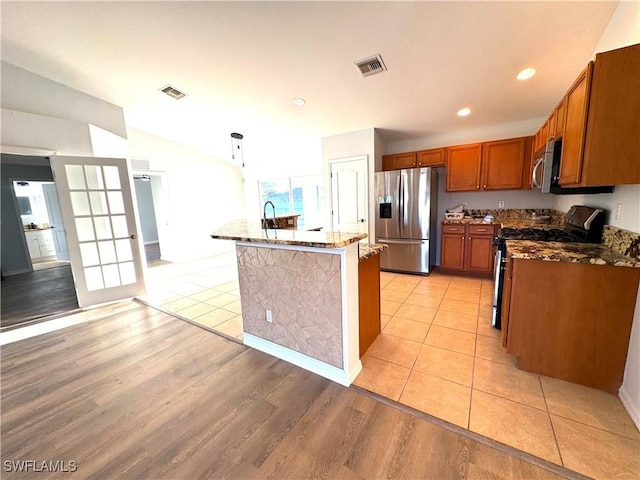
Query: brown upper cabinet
column 498, row 165
column 424, row 158
column 576, row 107
column 503, row 164
column 432, row 158
column 399, row 160
column 463, row 167
column 599, row 123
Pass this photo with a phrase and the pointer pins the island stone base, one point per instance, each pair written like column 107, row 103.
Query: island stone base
column 311, row 297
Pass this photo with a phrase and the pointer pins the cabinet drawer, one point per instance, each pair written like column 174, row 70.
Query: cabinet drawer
column 453, row 229
column 47, row 251
column 481, row 230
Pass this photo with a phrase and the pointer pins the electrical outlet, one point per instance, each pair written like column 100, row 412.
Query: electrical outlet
column 269, row 316
column 618, row 208
column 501, row 204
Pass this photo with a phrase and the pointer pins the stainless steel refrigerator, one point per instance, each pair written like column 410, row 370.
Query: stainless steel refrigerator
column 406, row 206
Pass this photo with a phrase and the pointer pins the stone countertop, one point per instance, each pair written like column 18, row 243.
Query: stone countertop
column 507, row 223
column 464, row 221
column 531, row 223
column 37, row 229
column 244, row 231
column 591, row 253
column 368, row 250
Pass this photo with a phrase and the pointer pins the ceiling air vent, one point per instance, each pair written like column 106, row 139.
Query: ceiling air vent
column 371, row 65
column 173, row 92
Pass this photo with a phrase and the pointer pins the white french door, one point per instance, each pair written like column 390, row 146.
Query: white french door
column 97, row 211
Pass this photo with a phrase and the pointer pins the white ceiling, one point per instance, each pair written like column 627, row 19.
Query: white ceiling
column 243, row 63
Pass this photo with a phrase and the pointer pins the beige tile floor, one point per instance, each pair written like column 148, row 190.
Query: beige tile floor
column 439, row 354
column 204, row 291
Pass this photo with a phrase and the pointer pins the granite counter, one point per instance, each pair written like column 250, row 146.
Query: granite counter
column 591, row 253
column 245, row 231
column 368, row 250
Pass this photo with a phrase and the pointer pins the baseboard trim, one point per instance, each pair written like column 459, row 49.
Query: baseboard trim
column 303, row 361
column 632, row 409
column 17, row 272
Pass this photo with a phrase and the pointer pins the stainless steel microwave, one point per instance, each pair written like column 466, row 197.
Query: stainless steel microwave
column 546, row 172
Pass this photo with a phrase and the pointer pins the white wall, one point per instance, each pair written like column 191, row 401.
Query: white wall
column 351, row 144
column 623, row 29
column 65, row 137
column 25, row 91
column 204, row 193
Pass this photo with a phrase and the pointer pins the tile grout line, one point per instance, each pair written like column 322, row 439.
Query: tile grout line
column 553, row 429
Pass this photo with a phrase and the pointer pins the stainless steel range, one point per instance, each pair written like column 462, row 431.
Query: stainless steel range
column 582, row 224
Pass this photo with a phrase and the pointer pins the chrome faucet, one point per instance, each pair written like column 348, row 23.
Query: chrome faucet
column 264, row 215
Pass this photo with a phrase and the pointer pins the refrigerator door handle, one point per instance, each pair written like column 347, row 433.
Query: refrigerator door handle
column 400, row 203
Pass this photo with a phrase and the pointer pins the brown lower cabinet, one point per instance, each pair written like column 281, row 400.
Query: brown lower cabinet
column 570, row 321
column 369, row 301
column 467, row 248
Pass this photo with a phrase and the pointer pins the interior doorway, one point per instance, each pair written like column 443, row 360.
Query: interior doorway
column 152, row 205
column 37, row 280
column 43, row 230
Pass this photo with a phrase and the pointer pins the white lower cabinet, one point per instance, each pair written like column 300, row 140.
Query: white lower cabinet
column 40, row 244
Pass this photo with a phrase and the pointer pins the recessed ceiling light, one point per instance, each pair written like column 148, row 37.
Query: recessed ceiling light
column 463, row 112
column 299, row 101
column 526, row 74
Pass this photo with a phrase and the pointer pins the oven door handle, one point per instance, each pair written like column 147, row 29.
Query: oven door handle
column 496, row 280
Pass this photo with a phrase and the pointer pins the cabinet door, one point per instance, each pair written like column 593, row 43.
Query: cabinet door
column 33, row 245
column 502, row 164
column 612, row 145
column 480, row 253
column 452, row 251
column 559, row 114
column 575, row 122
column 463, row 168
column 404, row 160
column 431, row 158
column 387, row 163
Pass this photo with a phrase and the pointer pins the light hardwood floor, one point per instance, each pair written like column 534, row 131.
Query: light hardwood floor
column 137, row 393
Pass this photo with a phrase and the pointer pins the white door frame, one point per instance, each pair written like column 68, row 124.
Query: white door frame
column 365, row 160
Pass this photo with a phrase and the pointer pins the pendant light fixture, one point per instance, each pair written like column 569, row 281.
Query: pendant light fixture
column 236, row 147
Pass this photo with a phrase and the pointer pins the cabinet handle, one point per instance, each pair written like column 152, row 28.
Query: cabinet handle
column 462, row 237
column 484, row 186
column 481, row 229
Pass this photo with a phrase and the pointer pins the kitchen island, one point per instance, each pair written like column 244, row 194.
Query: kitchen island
column 299, row 296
